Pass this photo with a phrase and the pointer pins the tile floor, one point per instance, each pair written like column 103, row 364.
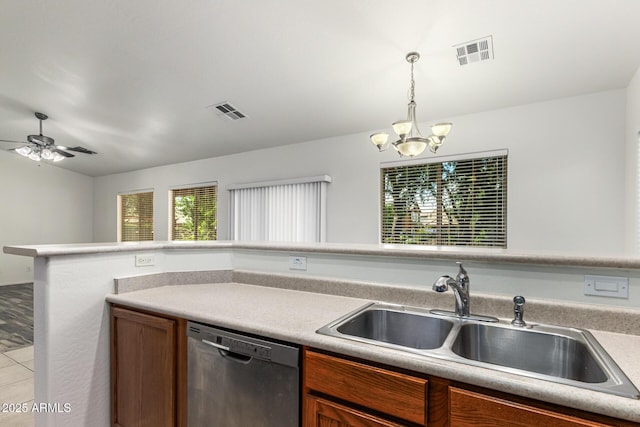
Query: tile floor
column 16, row 387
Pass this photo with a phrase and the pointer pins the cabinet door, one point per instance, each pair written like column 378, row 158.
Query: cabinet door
column 143, row 369
column 470, row 409
column 324, row 413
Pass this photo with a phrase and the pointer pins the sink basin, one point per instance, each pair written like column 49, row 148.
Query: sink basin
column 400, row 328
column 564, row 355
column 569, row 356
column 533, row 351
column 393, row 325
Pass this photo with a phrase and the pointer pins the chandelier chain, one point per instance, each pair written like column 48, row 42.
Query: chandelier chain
column 412, row 90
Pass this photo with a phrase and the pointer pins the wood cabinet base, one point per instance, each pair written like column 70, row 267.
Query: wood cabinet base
column 325, row 413
column 344, row 392
column 147, row 370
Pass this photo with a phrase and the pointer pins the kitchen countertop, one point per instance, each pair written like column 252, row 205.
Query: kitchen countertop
column 294, row 316
column 384, row 250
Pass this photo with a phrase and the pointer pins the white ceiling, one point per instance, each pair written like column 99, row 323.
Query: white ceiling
column 132, row 79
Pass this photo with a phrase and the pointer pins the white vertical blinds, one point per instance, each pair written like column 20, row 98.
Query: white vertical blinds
column 279, row 211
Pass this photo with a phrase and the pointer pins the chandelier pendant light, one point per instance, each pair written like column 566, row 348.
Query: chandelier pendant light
column 410, row 141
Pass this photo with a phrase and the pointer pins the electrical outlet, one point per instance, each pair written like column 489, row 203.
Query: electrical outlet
column 145, row 260
column 298, row 263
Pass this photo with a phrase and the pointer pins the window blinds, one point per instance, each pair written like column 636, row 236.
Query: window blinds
column 136, row 217
column 281, row 211
column 194, row 213
column 457, row 202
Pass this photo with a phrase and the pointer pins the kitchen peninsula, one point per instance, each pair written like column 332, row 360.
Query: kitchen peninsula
column 74, row 282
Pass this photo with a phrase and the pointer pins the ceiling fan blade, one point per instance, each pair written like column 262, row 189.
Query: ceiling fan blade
column 63, row 153
column 81, row 150
column 13, row 142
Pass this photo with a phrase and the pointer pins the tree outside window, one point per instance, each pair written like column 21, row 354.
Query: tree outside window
column 194, row 213
column 136, row 217
column 453, row 203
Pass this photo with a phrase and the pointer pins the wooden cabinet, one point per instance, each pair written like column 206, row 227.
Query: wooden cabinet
column 325, row 413
column 373, row 396
column 148, row 370
column 340, row 392
column 471, row 409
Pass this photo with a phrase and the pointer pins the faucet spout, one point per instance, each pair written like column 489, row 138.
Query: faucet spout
column 460, row 287
column 442, row 284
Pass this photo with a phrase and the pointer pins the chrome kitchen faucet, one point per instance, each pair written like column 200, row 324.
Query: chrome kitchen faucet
column 460, row 286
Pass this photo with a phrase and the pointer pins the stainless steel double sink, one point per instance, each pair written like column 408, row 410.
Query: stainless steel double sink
column 564, row 355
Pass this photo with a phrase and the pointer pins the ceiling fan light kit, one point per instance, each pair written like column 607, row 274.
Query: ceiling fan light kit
column 41, row 147
column 410, row 141
column 38, row 153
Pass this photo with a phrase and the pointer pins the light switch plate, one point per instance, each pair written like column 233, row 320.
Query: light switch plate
column 298, row 263
column 607, row 286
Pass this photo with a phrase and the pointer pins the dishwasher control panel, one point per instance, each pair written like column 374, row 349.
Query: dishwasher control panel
column 235, row 342
column 244, row 347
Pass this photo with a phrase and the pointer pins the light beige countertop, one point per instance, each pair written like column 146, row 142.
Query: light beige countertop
column 294, row 316
column 382, row 250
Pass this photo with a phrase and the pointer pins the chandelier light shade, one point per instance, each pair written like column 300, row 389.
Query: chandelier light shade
column 410, row 141
column 380, row 140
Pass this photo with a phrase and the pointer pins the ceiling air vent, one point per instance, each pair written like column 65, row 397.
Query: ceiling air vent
column 227, row 110
column 475, row 50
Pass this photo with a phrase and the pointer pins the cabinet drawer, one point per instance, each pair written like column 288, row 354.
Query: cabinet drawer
column 388, row 392
column 469, row 409
column 324, row 413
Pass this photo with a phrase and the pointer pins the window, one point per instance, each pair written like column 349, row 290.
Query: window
column 194, row 213
column 460, row 201
column 136, row 217
column 292, row 211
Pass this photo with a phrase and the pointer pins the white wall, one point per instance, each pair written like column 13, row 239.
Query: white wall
column 577, row 143
column 71, row 326
column 41, row 204
column 632, row 175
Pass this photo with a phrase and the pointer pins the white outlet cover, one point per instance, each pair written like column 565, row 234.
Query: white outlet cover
column 145, row 260
column 298, row 263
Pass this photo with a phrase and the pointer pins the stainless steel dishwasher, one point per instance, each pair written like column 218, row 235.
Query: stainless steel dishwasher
column 240, row 381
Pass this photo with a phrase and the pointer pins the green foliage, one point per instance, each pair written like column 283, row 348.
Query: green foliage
column 195, row 215
column 451, row 203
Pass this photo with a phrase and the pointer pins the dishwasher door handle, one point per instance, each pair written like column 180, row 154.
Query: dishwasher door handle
column 228, row 354
column 216, row 345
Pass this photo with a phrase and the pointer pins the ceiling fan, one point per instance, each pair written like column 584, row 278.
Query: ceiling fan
column 42, row 147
